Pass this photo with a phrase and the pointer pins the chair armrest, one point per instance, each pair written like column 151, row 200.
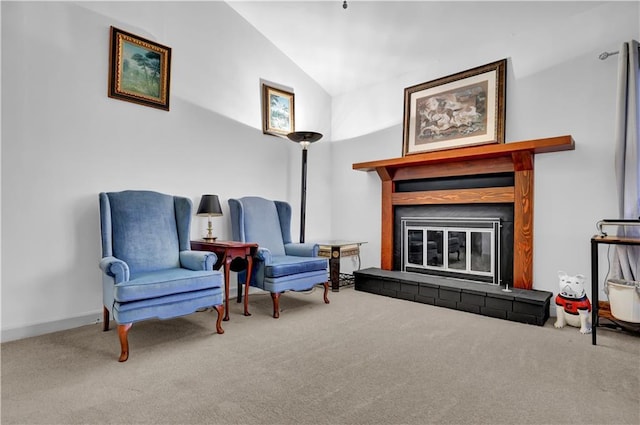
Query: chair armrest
column 198, row 260
column 302, row 249
column 263, row 254
column 115, row 268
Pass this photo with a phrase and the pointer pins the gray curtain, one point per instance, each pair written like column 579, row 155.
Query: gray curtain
column 626, row 259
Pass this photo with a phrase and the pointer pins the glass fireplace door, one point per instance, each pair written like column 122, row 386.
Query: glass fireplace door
column 457, row 250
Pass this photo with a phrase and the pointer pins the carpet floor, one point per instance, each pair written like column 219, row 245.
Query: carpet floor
column 363, row 359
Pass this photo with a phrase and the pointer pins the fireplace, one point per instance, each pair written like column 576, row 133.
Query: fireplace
column 467, row 248
column 498, row 174
column 443, row 211
column 472, row 241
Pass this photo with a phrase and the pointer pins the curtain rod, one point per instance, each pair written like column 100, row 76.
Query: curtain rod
column 602, row 56
column 605, row 55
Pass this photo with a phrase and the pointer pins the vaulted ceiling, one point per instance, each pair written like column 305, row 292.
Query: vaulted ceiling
column 374, row 41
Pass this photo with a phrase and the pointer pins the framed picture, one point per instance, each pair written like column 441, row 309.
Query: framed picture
column 463, row 109
column 139, row 70
column 278, row 111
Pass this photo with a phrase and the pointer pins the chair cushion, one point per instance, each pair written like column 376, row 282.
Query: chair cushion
column 166, row 282
column 167, row 307
column 285, row 265
column 169, row 299
column 298, row 282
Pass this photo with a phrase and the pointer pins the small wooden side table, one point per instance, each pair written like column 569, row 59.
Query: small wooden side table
column 334, row 250
column 226, row 252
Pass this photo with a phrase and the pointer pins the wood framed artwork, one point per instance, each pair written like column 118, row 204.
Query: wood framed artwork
column 464, row 109
column 278, row 111
column 139, row 70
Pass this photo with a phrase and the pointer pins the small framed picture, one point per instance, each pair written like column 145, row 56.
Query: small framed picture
column 278, row 111
column 139, row 70
column 463, row 109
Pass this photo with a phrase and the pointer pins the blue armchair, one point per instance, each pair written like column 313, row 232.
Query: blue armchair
column 148, row 269
column 279, row 265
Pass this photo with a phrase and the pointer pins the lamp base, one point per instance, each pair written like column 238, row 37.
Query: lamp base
column 209, row 238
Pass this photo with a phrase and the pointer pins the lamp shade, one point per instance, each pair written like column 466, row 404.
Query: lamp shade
column 304, row 136
column 209, row 206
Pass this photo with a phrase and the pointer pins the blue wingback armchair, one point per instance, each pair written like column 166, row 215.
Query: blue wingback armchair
column 280, row 265
column 148, row 269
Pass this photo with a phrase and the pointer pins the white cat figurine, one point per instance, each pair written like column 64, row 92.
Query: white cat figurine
column 572, row 305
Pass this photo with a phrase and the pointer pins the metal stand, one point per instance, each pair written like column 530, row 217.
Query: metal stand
column 303, row 193
column 305, row 138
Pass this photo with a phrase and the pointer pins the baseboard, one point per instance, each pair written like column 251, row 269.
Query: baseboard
column 21, row 332
column 27, row 331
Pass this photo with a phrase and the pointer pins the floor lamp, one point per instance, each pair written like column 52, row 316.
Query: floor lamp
column 305, row 138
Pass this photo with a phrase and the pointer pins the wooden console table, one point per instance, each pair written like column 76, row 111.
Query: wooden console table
column 226, row 252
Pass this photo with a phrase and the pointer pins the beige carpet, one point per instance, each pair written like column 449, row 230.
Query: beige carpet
column 363, row 359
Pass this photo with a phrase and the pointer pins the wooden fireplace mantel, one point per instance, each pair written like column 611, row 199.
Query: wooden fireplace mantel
column 516, row 157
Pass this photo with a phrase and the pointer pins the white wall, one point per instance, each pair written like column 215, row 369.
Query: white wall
column 64, row 140
column 556, row 85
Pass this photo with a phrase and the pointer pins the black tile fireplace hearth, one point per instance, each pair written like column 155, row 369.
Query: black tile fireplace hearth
column 519, row 305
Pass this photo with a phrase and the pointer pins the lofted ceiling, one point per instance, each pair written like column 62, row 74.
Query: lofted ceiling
column 374, row 41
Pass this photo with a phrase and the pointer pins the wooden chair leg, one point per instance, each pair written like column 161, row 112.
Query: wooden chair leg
column 220, row 309
column 105, row 319
column 276, row 304
column 123, row 332
column 326, row 292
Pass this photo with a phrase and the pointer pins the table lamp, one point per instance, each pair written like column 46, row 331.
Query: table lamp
column 304, row 138
column 209, row 207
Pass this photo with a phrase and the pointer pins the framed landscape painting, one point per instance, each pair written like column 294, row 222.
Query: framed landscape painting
column 139, row 70
column 278, row 111
column 463, row 109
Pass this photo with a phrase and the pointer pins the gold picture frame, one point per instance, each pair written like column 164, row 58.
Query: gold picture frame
column 139, row 70
column 278, row 111
column 463, row 109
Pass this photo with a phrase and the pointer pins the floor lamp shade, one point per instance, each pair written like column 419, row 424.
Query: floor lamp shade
column 304, row 138
column 209, row 207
